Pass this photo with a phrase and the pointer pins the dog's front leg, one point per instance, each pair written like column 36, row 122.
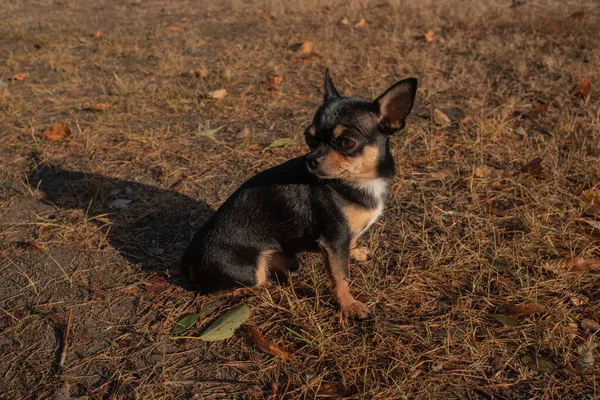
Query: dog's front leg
column 336, row 258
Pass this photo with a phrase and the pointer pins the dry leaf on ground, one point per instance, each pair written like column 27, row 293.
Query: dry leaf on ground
column 440, row 118
column 175, row 28
column 584, row 86
column 361, row 23
column 430, row 36
column 533, row 167
column 184, row 19
column 304, row 48
column 97, row 34
column 96, row 107
column 483, row 171
column 591, row 201
column 218, row 94
column 273, row 82
column 523, row 309
column 590, row 324
column 19, row 77
column 578, row 15
column 345, row 21
column 265, row 344
column 198, row 73
column 56, row 132
column 573, row 265
column 226, row 325
column 157, row 284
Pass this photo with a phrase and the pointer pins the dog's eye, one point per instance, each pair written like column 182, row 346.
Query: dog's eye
column 346, row 144
column 311, row 141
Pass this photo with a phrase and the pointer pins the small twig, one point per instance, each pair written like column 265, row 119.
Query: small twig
column 63, row 353
column 199, row 381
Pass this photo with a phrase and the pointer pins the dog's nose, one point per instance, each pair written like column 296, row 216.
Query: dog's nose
column 313, row 160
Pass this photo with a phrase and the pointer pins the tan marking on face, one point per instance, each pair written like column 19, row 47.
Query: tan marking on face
column 312, row 131
column 338, row 130
column 360, row 168
column 358, row 218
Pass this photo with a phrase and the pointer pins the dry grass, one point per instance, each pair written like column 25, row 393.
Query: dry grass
column 465, row 233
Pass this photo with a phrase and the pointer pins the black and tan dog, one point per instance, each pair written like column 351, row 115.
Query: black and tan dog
column 322, row 201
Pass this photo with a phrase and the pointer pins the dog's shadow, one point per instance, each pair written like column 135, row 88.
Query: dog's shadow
column 147, row 225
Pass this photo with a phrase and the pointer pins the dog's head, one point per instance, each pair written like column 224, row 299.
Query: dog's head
column 348, row 136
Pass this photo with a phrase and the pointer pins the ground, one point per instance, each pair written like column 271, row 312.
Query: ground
column 92, row 226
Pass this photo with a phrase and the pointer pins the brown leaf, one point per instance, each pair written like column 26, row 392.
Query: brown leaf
column 584, row 86
column 265, row 344
column 99, row 107
column 385, row 4
column 56, row 132
column 539, row 363
column 198, row 73
column 483, row 171
column 533, row 167
column 591, row 201
column 328, row 10
column 573, row 265
column 305, row 49
column 19, row 77
column 344, row 21
column 157, row 284
column 361, row 23
column 430, row 36
column 440, row 118
column 184, row 19
column 244, row 133
column 218, row 94
column 506, row 320
column 539, row 109
column 273, row 82
column 330, row 390
column 529, row 308
column 97, row 34
column 578, row 15
column 175, row 28
column 300, row 97
column 590, row 324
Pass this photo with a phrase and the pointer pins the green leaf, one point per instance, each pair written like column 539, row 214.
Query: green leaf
column 82, row 40
column 282, row 142
column 226, row 324
column 505, row 319
column 185, row 323
column 209, row 132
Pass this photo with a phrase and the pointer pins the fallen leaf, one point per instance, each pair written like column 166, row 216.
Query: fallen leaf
column 584, row 86
column 539, row 109
column 591, row 201
column 430, row 36
column 539, row 363
column 573, row 265
column 328, row 10
column 305, row 49
column 519, row 130
column 185, row 323
column 529, row 308
column 299, row 97
column 120, row 204
column 330, row 390
column 97, row 34
column 578, row 15
column 158, row 284
column 99, row 107
column 586, row 356
column 499, row 265
column 483, row 171
column 56, row 132
column 19, row 77
column 361, row 23
column 344, row 21
column 440, row 118
column 184, row 19
column 224, row 327
column 590, row 324
column 218, row 94
column 244, row 133
column 282, row 142
column 578, row 300
column 198, row 73
column 533, row 167
column 273, row 82
column 265, row 344
column 209, row 132
column 175, row 28
column 385, row 4
column 571, row 329
column 505, row 319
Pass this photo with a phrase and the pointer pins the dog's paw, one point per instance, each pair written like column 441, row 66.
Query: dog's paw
column 359, row 254
column 356, row 310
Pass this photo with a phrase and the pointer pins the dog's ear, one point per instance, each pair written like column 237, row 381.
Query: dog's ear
column 330, row 90
column 395, row 104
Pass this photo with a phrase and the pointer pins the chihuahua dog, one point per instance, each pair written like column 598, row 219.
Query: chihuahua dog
column 322, row 201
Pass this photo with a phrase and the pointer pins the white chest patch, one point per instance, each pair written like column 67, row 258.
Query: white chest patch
column 378, row 188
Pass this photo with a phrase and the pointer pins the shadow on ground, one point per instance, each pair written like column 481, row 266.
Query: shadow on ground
column 148, row 226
